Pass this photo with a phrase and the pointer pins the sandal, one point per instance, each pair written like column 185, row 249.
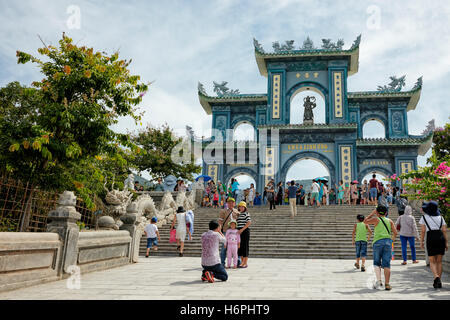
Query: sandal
column 387, row 287
column 416, row 261
column 404, row 263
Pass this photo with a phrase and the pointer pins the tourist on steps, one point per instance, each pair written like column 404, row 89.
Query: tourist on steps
column 315, row 188
column 212, row 268
column 279, row 197
column 225, row 216
column 180, row 219
column 251, row 194
column 347, row 194
column 373, row 190
column 292, row 193
column 384, row 234
column 360, row 241
column 406, row 225
column 271, row 195
column 243, row 223
column 354, row 192
column 340, row 195
column 434, row 226
column 152, row 234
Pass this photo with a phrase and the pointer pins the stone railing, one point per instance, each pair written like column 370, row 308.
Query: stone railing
column 31, row 258
column 28, row 258
column 446, row 259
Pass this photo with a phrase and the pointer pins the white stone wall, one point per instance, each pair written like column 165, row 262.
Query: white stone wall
column 28, row 258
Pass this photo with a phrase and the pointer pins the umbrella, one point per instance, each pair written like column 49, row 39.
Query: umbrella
column 321, row 179
column 205, row 178
column 355, row 181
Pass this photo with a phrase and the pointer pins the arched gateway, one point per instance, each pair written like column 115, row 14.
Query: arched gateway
column 338, row 143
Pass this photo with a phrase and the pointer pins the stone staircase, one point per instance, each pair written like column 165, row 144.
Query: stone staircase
column 315, row 233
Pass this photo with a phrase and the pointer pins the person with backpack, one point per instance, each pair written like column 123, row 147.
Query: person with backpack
column 435, row 228
column 401, row 203
column 271, row 195
column 406, row 225
column 384, row 233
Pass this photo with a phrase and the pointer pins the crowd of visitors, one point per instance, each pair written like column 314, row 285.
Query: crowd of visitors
column 227, row 243
column 318, row 194
column 215, row 195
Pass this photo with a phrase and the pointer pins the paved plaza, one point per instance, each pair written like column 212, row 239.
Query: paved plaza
column 174, row 278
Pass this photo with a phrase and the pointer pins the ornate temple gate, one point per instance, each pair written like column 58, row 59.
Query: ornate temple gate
column 338, row 143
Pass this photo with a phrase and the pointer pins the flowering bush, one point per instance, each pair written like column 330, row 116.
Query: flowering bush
column 432, row 182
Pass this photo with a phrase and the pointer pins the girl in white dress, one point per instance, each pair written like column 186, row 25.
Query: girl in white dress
column 251, row 194
column 180, row 219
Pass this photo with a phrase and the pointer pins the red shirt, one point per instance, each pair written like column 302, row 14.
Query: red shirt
column 373, row 183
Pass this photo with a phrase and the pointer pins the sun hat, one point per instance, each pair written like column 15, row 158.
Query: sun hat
column 180, row 210
column 431, row 208
column 232, row 221
column 242, row 204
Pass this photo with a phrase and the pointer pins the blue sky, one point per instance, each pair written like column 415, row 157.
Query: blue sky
column 178, row 43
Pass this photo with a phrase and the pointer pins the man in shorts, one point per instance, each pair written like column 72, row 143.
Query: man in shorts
column 373, row 189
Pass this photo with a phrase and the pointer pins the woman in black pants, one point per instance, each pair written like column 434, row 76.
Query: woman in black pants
column 243, row 223
column 280, row 194
column 271, row 195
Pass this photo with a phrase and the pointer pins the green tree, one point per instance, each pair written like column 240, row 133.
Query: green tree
column 65, row 120
column 433, row 182
column 159, row 144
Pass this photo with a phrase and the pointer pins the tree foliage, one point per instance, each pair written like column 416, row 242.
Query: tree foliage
column 64, row 121
column 433, row 182
column 158, row 144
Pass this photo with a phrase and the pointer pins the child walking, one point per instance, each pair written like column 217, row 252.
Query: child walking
column 233, row 244
column 216, row 199
column 360, row 240
column 152, row 234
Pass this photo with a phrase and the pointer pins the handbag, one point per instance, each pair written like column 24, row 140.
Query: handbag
column 398, row 226
column 173, row 236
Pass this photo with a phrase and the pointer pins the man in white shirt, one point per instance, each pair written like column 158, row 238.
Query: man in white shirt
column 315, row 193
column 152, row 233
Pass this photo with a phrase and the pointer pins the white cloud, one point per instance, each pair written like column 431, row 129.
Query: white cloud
column 180, row 43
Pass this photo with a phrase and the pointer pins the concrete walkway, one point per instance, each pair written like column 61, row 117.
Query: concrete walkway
column 179, row 278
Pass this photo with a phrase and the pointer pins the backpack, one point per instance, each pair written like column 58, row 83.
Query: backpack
column 402, row 204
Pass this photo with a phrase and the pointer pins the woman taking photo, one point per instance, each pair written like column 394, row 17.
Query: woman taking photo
column 433, row 224
column 243, row 223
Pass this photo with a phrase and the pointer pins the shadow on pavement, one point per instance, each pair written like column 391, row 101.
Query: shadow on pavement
column 193, row 269
column 185, row 283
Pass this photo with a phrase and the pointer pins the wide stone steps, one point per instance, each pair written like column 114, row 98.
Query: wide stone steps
column 324, row 232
